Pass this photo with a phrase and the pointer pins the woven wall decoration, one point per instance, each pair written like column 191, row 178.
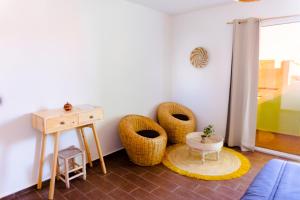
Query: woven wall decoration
column 199, row 57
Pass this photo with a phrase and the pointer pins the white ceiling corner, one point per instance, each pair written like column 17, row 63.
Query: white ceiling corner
column 180, row 6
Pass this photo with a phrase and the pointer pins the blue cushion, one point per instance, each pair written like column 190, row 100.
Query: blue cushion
column 278, row 180
column 289, row 187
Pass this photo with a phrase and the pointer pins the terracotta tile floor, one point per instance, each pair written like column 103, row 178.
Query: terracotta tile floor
column 126, row 181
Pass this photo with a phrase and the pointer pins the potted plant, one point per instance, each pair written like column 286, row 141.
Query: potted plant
column 207, row 132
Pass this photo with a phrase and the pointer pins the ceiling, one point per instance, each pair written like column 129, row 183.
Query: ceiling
column 180, row 6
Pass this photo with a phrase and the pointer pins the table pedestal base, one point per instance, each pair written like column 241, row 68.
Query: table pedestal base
column 204, row 153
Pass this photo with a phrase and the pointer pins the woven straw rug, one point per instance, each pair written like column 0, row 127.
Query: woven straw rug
column 231, row 164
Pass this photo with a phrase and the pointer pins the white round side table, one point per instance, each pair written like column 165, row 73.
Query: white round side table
column 213, row 144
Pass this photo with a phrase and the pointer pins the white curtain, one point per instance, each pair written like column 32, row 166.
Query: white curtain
column 241, row 129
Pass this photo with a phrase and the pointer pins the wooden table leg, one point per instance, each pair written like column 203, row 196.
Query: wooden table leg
column 39, row 184
column 218, row 155
column 86, row 146
column 202, row 157
column 54, row 165
column 99, row 149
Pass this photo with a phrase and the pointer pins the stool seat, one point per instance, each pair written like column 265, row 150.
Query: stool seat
column 69, row 152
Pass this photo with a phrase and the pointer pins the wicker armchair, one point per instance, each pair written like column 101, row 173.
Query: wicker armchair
column 143, row 139
column 177, row 120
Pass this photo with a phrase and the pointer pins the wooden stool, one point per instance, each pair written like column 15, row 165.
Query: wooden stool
column 68, row 156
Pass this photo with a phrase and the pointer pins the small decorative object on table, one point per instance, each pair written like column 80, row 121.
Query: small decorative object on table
column 207, row 132
column 68, row 106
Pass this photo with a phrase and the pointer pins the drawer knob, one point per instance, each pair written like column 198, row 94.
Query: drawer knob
column 62, row 123
column 91, row 117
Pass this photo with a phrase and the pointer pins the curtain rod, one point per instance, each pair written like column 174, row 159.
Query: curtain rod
column 270, row 18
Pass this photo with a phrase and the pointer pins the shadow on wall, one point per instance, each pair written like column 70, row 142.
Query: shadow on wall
column 12, row 158
column 153, row 113
column 108, row 131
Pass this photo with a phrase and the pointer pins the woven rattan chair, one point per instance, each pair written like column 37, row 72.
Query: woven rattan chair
column 177, row 120
column 143, row 139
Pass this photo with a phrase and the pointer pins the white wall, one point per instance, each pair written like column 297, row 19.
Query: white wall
column 206, row 91
column 108, row 53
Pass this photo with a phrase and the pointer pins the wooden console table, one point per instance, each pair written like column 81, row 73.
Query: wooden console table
column 53, row 122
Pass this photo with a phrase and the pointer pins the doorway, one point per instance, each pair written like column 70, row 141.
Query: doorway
column 278, row 110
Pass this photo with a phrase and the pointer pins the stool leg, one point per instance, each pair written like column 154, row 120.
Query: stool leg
column 73, row 163
column 57, row 170
column 83, row 166
column 67, row 173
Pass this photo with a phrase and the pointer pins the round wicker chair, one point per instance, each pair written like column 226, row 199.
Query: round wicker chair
column 177, row 120
column 143, row 139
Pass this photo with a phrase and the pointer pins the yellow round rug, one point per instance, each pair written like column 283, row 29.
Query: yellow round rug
column 231, row 164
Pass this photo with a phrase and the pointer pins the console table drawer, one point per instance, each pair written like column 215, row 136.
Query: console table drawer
column 88, row 117
column 61, row 123
column 50, row 121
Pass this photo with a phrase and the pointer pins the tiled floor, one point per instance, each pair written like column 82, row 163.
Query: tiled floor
column 127, row 181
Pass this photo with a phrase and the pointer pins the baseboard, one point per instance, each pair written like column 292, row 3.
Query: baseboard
column 114, row 151
column 278, row 153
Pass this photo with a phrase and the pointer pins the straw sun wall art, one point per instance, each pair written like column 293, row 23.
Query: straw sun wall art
column 199, row 57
